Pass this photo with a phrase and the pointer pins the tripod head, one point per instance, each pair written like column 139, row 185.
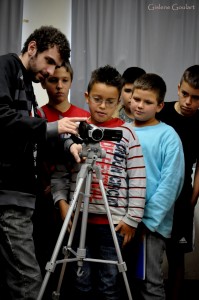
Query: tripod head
column 92, row 151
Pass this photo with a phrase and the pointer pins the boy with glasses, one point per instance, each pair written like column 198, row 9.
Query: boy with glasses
column 123, row 160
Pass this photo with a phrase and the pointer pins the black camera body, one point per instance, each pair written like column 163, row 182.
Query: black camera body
column 90, row 133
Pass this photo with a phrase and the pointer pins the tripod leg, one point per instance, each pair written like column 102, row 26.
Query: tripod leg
column 66, row 249
column 81, row 251
column 122, row 265
column 51, row 265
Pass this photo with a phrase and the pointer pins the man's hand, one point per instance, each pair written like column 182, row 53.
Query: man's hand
column 69, row 125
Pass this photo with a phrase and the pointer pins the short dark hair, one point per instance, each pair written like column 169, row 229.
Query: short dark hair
column 151, row 82
column 131, row 74
column 47, row 37
column 191, row 76
column 108, row 75
column 68, row 68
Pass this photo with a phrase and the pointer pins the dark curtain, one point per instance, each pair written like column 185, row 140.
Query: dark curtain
column 11, row 18
column 160, row 36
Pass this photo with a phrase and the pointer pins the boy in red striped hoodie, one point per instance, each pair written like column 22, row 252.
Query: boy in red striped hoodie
column 123, row 176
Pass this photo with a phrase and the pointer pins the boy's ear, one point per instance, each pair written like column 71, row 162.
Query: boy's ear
column 160, row 107
column 86, row 96
column 178, row 89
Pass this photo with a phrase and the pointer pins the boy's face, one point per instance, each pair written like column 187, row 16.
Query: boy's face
column 188, row 98
column 144, row 106
column 126, row 96
column 43, row 64
column 102, row 101
column 58, row 86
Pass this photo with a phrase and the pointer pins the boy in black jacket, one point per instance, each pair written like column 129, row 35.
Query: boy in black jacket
column 183, row 116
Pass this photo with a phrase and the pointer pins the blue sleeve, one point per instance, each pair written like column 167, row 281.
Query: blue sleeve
column 170, row 182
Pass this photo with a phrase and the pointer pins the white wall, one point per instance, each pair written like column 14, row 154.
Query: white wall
column 58, row 14
column 45, row 12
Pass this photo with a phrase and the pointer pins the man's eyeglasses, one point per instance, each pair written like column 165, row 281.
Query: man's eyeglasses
column 108, row 102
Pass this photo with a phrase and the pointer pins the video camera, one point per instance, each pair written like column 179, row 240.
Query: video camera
column 90, row 133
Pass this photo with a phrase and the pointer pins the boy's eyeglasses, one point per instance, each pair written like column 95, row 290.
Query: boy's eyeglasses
column 108, row 102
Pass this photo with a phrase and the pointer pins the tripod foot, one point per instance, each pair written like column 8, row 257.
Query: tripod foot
column 79, row 272
column 55, row 295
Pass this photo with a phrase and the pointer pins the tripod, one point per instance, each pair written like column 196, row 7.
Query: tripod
column 84, row 180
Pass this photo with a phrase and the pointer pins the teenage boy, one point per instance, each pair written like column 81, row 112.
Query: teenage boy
column 123, row 159
column 164, row 160
column 57, row 87
column 22, row 135
column 183, row 116
column 123, row 110
column 46, row 219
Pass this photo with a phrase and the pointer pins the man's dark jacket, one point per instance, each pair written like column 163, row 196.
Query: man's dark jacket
column 20, row 133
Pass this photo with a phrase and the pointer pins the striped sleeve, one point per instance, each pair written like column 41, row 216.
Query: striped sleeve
column 136, row 177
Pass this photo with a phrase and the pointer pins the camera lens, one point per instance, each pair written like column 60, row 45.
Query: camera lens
column 96, row 134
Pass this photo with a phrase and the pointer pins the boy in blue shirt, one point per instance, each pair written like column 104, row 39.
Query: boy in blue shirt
column 164, row 160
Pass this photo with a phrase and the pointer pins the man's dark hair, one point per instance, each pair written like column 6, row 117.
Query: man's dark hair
column 191, row 76
column 107, row 75
column 47, row 37
column 151, row 82
column 131, row 74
